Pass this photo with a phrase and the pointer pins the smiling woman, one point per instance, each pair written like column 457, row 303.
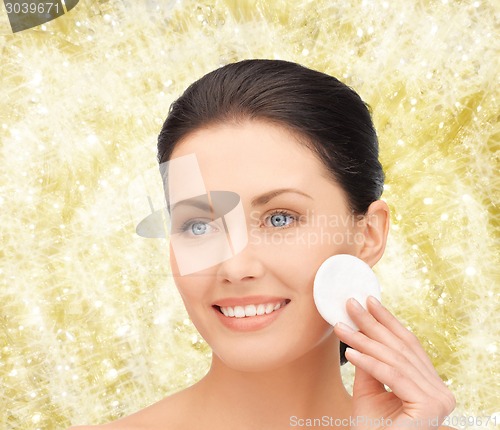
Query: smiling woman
column 285, row 160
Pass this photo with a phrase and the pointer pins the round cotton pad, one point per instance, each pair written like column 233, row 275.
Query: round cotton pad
column 339, row 278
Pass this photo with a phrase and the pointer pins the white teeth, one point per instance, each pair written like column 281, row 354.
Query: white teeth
column 261, row 309
column 251, row 310
column 239, row 312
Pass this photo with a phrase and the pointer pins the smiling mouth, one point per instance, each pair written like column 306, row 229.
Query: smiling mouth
column 251, row 310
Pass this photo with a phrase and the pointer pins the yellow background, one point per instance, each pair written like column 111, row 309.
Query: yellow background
column 91, row 326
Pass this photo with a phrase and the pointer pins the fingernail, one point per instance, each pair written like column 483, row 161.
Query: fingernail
column 344, row 327
column 356, row 304
column 374, row 301
column 353, row 353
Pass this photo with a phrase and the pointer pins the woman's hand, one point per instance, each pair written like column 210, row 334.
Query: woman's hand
column 385, row 352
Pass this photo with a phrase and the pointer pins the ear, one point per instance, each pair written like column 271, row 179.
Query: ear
column 374, row 229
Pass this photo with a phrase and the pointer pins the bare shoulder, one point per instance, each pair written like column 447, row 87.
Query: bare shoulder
column 120, row 424
column 115, row 425
column 109, row 426
column 83, row 428
column 168, row 413
column 446, row 427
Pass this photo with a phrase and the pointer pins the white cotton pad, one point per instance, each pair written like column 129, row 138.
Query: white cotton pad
column 339, row 278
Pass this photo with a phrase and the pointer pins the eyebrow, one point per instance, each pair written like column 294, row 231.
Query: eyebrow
column 191, row 202
column 267, row 197
column 257, row 201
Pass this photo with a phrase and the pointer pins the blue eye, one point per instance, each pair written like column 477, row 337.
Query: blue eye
column 196, row 228
column 279, row 219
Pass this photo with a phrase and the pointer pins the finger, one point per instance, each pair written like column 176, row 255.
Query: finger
column 403, row 387
column 392, row 333
column 393, row 358
column 409, row 341
column 365, row 384
column 387, row 319
column 409, row 347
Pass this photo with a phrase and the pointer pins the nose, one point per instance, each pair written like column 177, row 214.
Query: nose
column 243, row 266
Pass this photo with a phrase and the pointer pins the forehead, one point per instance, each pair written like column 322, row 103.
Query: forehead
column 253, row 152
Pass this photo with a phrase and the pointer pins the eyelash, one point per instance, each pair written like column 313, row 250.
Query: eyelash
column 184, row 228
column 282, row 212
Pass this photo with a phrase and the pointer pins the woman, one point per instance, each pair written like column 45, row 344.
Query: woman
column 296, row 151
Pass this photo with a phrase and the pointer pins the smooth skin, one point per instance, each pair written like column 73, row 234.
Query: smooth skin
column 290, row 368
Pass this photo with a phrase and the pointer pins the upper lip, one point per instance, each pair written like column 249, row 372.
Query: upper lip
column 249, row 300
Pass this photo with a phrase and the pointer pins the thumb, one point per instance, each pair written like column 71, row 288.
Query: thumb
column 365, row 384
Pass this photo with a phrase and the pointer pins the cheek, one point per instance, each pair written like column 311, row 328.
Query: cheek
column 173, row 262
column 297, row 253
column 194, row 294
column 191, row 288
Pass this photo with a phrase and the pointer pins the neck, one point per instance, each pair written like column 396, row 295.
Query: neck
column 310, row 387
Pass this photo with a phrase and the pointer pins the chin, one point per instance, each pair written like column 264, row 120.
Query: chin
column 256, row 362
column 260, row 357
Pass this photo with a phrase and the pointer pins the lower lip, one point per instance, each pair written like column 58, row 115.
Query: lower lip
column 256, row 322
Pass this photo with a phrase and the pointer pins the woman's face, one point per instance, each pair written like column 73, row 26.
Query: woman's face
column 289, row 235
